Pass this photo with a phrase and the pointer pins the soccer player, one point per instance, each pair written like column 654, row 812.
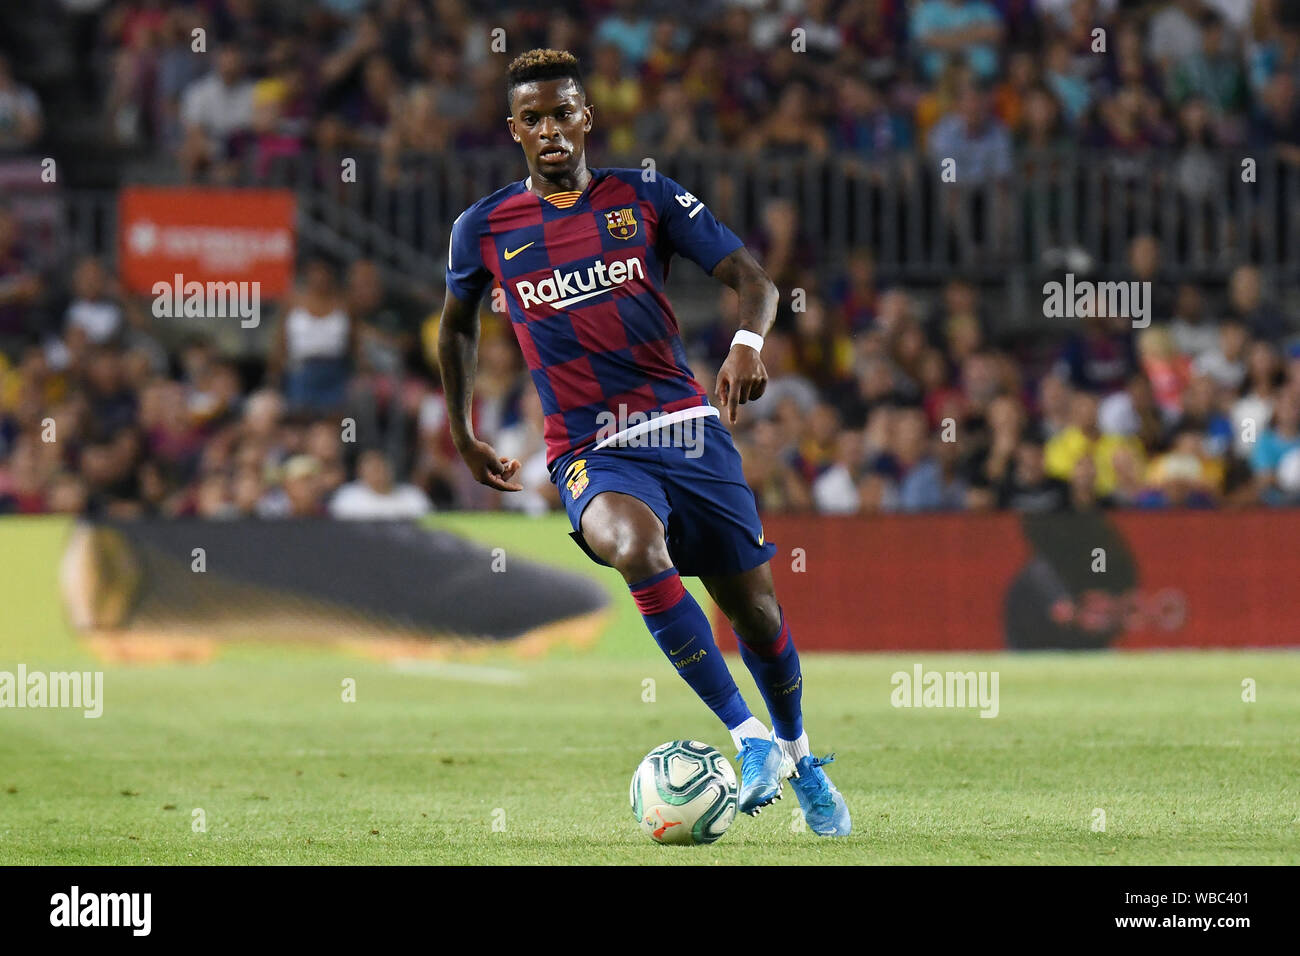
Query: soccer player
column 649, row 476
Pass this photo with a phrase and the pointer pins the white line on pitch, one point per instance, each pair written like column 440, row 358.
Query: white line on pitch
column 452, row 671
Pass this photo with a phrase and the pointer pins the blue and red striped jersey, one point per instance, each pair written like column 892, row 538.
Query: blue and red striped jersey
column 583, row 276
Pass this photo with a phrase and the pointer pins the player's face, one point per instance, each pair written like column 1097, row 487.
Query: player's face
column 550, row 121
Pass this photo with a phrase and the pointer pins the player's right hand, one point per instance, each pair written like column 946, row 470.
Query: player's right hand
column 491, row 470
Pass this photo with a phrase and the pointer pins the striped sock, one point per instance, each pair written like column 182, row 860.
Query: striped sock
column 681, row 629
column 775, row 667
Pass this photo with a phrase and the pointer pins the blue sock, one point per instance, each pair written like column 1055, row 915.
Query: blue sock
column 775, row 667
column 681, row 629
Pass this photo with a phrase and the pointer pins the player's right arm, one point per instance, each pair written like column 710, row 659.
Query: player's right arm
column 458, row 333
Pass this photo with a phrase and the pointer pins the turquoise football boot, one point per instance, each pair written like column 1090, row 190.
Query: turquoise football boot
column 763, row 769
column 824, row 808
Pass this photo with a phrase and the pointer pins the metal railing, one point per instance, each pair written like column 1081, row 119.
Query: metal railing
column 1208, row 211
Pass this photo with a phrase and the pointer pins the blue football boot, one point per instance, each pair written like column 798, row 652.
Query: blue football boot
column 763, row 769
column 824, row 808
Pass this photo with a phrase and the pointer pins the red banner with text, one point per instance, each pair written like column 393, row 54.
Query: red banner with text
column 207, row 235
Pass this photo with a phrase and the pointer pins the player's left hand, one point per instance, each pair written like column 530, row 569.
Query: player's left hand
column 741, row 379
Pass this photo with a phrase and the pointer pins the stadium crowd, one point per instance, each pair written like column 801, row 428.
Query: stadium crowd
column 881, row 399
column 864, row 76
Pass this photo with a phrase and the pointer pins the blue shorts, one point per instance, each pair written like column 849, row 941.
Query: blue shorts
column 698, row 493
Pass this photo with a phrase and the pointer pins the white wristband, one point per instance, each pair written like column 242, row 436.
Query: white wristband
column 745, row 337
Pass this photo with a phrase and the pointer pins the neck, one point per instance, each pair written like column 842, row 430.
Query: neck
column 575, row 180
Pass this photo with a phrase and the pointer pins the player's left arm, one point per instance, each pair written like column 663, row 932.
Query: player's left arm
column 742, row 377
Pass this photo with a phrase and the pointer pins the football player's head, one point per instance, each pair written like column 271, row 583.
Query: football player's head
column 549, row 116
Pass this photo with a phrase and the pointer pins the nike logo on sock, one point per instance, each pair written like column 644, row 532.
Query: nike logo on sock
column 682, row 648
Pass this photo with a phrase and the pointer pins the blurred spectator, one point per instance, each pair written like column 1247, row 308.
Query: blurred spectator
column 95, row 315
column 300, row 494
column 1247, row 303
column 926, row 482
column 20, row 112
column 1276, row 456
column 1101, row 357
column 1174, row 33
column 1226, row 362
column 864, row 122
column 974, row 137
column 1276, row 123
column 20, row 286
column 1167, row 369
column 314, row 343
column 1084, row 440
column 1192, row 333
column 1213, row 73
column 214, row 109
column 1252, row 413
column 791, row 129
column 627, row 30
column 619, row 99
column 1070, row 87
column 374, row 494
column 387, row 321
column 969, row 29
column 1027, row 488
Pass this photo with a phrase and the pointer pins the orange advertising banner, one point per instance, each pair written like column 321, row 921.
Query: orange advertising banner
column 1075, row 581
column 207, row 235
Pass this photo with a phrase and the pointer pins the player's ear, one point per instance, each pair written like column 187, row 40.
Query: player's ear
column 510, row 122
column 588, row 112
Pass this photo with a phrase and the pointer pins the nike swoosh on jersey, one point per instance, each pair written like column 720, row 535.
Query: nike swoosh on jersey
column 511, row 253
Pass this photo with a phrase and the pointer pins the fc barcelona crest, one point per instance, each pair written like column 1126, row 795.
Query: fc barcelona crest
column 621, row 223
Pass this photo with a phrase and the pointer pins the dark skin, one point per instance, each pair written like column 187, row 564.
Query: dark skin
column 550, row 119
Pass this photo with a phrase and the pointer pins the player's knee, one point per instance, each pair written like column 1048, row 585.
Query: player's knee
column 757, row 620
column 638, row 557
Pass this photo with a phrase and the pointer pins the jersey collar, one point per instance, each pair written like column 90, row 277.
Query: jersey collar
column 566, row 199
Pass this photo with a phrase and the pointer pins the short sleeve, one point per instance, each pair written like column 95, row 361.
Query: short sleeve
column 688, row 228
column 467, row 277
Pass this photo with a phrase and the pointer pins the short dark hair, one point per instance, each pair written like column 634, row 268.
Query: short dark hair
column 542, row 65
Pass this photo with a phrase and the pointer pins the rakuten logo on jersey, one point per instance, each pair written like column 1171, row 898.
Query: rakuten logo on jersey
column 564, row 289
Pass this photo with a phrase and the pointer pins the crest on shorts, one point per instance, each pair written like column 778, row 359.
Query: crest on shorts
column 621, row 223
column 577, row 481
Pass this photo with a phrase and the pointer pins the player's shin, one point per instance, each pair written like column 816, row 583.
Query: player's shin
column 775, row 667
column 681, row 628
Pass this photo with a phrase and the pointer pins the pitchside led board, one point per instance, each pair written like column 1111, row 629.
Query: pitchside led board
column 207, row 235
column 1086, row 581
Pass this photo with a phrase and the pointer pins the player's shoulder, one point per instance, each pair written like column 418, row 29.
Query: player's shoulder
column 476, row 214
column 647, row 183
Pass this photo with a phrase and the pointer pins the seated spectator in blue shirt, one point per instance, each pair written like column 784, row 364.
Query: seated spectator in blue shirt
column 973, row 137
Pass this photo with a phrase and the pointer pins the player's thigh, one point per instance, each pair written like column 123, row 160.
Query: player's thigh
column 715, row 529
column 625, row 532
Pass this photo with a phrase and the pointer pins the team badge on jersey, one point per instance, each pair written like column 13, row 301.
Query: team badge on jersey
column 621, row 223
column 576, row 474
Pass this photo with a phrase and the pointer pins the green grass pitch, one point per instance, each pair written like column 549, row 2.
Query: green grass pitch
column 510, row 761
column 476, row 766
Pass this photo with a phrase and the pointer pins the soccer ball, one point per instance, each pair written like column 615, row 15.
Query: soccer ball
column 684, row 792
